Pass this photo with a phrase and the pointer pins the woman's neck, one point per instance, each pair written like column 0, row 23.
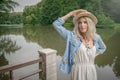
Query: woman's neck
column 85, row 37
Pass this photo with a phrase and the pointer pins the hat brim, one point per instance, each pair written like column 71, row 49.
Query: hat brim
column 85, row 14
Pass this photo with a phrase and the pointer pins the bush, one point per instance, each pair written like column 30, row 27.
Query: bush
column 104, row 20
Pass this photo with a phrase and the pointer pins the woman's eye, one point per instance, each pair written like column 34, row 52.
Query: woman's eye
column 85, row 22
column 79, row 22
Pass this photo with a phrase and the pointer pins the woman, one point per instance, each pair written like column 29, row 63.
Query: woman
column 83, row 45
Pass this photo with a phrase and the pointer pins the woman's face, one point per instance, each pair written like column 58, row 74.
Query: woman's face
column 82, row 25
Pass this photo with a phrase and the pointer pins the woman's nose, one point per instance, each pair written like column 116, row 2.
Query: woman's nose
column 82, row 24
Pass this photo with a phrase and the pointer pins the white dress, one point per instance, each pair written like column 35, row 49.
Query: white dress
column 84, row 68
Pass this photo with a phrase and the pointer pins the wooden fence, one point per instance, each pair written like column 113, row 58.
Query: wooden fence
column 47, row 66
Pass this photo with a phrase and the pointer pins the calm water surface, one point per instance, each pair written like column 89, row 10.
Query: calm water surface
column 19, row 45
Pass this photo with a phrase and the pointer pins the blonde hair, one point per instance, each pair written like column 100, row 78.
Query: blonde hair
column 91, row 32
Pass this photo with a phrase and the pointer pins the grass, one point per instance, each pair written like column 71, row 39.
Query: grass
column 117, row 26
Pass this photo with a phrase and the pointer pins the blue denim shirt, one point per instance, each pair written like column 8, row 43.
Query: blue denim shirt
column 72, row 45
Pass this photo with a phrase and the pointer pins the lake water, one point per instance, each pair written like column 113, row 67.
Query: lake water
column 21, row 44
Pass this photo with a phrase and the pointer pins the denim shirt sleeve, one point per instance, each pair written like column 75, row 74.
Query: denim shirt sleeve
column 60, row 29
column 65, row 65
column 101, row 45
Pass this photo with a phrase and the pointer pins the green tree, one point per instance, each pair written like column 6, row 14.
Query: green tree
column 98, row 10
column 62, row 7
column 15, row 17
column 11, row 18
column 7, row 5
column 3, row 17
column 50, row 10
column 67, row 6
column 111, row 9
column 30, row 15
column 47, row 11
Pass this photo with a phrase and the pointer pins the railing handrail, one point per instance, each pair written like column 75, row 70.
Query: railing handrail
column 47, row 58
column 20, row 65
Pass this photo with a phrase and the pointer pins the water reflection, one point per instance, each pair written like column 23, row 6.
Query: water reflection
column 4, row 76
column 3, row 61
column 114, row 51
column 111, row 57
column 15, row 49
column 45, row 36
column 28, row 40
column 106, row 73
column 7, row 46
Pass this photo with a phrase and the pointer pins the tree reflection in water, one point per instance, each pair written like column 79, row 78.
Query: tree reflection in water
column 7, row 46
column 116, row 47
column 46, row 36
column 111, row 56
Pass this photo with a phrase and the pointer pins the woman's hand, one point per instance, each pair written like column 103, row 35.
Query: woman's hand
column 73, row 13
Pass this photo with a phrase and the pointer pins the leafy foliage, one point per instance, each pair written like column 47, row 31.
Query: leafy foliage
column 46, row 11
column 111, row 9
column 7, row 5
column 50, row 10
column 29, row 15
column 11, row 18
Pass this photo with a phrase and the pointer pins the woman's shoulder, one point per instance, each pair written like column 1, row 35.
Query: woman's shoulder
column 97, row 36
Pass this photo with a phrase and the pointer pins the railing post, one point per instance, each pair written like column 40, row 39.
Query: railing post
column 11, row 75
column 49, row 65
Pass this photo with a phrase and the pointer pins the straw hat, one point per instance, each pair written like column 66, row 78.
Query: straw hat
column 85, row 14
